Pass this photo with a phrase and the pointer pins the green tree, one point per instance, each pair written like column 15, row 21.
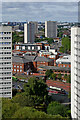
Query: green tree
column 14, row 92
column 68, row 79
column 54, row 76
column 37, row 89
column 49, row 73
column 9, row 108
column 23, row 100
column 17, row 38
column 65, row 76
column 66, row 45
column 50, row 40
column 28, row 113
column 59, row 76
column 55, row 108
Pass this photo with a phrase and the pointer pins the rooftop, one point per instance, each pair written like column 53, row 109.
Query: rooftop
column 64, row 59
column 17, row 59
column 43, row 59
column 65, row 86
column 55, row 68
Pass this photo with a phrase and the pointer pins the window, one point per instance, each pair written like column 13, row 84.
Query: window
column 38, row 47
column 20, row 70
column 17, row 66
column 17, row 69
column 14, row 69
column 23, row 47
column 20, row 66
column 63, row 65
column 28, row 47
column 32, row 47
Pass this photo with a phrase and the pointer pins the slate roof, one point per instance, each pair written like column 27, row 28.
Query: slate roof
column 55, row 68
column 42, row 59
column 17, row 59
column 29, row 57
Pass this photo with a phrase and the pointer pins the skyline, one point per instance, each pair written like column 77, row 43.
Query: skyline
column 39, row 11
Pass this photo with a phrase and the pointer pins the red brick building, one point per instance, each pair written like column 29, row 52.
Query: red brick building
column 42, row 61
column 20, row 64
column 55, row 69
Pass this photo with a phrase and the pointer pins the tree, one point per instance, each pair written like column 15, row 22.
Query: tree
column 9, row 108
column 23, row 100
column 17, row 38
column 37, row 90
column 68, row 79
column 55, row 108
column 59, row 76
column 65, row 76
column 29, row 112
column 49, row 73
column 50, row 40
column 54, row 76
column 14, row 92
column 66, row 45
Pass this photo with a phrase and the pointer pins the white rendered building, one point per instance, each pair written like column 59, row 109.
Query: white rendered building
column 65, row 61
column 29, row 33
column 6, row 61
column 75, row 72
column 51, row 29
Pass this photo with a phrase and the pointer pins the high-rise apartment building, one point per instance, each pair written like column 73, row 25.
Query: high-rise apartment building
column 75, row 72
column 51, row 29
column 29, row 32
column 35, row 26
column 6, row 61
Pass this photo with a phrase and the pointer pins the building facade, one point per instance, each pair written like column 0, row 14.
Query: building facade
column 51, row 29
column 29, row 32
column 21, row 64
column 65, row 61
column 42, row 61
column 35, row 26
column 75, row 72
column 6, row 61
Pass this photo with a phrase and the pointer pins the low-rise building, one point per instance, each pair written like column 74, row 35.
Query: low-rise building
column 65, row 61
column 21, row 64
column 55, row 69
column 42, row 61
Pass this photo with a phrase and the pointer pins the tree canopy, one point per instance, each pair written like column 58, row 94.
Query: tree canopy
column 55, row 108
column 14, row 110
column 66, row 45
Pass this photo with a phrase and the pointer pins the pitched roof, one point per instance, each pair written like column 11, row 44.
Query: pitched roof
column 29, row 57
column 43, row 59
column 18, row 59
column 65, row 86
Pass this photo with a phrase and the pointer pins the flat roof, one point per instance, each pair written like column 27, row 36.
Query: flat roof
column 55, row 68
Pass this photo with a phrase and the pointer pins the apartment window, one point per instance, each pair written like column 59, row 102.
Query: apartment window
column 17, row 69
column 32, row 47
column 20, row 70
column 5, row 83
column 38, row 47
column 63, row 65
column 23, row 47
column 20, row 66
column 28, row 47
column 14, row 69
column 14, row 65
column 17, row 66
